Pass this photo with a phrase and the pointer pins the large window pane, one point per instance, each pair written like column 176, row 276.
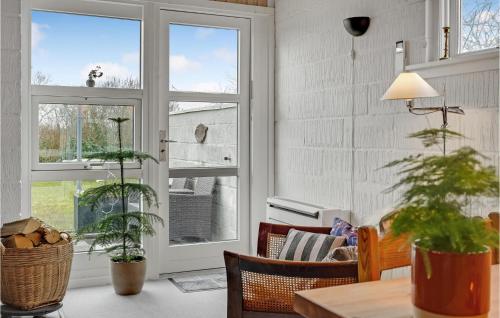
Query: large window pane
column 480, row 21
column 203, row 209
column 203, row 134
column 66, row 47
column 203, row 59
column 68, row 132
column 56, row 203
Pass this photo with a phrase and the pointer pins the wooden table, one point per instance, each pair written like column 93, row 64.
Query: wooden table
column 380, row 299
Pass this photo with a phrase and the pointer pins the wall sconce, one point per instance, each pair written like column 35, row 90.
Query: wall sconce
column 409, row 86
column 357, row 26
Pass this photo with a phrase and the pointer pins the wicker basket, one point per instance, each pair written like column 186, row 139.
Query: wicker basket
column 37, row 277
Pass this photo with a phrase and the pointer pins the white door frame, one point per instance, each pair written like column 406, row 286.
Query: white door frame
column 206, row 255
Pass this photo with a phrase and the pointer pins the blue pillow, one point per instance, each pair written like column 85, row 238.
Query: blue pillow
column 344, row 228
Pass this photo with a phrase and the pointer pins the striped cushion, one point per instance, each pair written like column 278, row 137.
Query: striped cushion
column 307, row 246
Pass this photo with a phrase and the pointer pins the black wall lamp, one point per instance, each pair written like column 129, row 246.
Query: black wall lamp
column 357, row 26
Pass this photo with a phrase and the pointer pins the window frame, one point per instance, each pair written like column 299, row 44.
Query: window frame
column 85, row 8
column 236, row 98
column 36, row 100
column 95, row 271
column 173, row 257
column 432, row 66
column 46, row 94
column 449, row 13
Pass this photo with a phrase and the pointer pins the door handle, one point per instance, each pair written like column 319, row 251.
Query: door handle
column 163, row 145
column 163, row 142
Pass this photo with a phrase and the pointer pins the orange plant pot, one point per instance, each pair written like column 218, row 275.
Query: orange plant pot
column 459, row 285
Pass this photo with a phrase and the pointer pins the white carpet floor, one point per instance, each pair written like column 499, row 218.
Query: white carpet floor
column 158, row 299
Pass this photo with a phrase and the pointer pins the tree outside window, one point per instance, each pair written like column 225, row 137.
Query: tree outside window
column 480, row 25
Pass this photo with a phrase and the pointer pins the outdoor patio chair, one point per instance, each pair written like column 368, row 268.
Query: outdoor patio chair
column 191, row 212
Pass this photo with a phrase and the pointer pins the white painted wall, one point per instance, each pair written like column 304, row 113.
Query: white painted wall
column 331, row 136
column 10, row 116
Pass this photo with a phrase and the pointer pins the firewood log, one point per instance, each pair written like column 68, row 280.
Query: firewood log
column 35, row 237
column 17, row 241
column 65, row 236
column 25, row 226
column 50, row 235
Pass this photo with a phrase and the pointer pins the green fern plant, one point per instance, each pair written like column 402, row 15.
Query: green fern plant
column 437, row 190
column 120, row 233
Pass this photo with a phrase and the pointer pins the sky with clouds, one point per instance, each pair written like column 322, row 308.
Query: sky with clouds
column 66, row 47
column 203, row 59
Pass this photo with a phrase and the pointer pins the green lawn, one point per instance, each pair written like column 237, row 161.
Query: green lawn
column 53, row 202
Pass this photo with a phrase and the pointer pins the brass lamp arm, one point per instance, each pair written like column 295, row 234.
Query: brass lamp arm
column 429, row 110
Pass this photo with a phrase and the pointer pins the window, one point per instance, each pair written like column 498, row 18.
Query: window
column 66, row 47
column 479, row 25
column 69, row 116
column 68, row 132
column 210, row 53
column 56, row 202
column 220, row 146
column 69, row 128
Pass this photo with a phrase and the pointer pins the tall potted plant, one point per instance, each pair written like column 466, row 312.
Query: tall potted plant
column 451, row 258
column 120, row 233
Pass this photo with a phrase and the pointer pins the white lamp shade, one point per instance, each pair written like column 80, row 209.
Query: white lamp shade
column 409, row 86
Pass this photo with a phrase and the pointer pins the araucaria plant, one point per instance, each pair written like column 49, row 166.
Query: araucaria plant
column 120, row 232
column 437, row 192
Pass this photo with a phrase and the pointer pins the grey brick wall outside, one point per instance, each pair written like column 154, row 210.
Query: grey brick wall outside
column 220, row 142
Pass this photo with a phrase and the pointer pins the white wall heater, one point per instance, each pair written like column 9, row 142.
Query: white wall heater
column 287, row 211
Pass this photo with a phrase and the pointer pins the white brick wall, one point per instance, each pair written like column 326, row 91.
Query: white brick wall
column 314, row 102
column 10, row 113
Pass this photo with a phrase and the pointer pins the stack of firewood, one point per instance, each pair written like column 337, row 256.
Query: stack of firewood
column 30, row 233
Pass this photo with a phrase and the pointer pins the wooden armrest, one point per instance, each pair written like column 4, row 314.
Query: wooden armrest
column 269, row 285
column 278, row 267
